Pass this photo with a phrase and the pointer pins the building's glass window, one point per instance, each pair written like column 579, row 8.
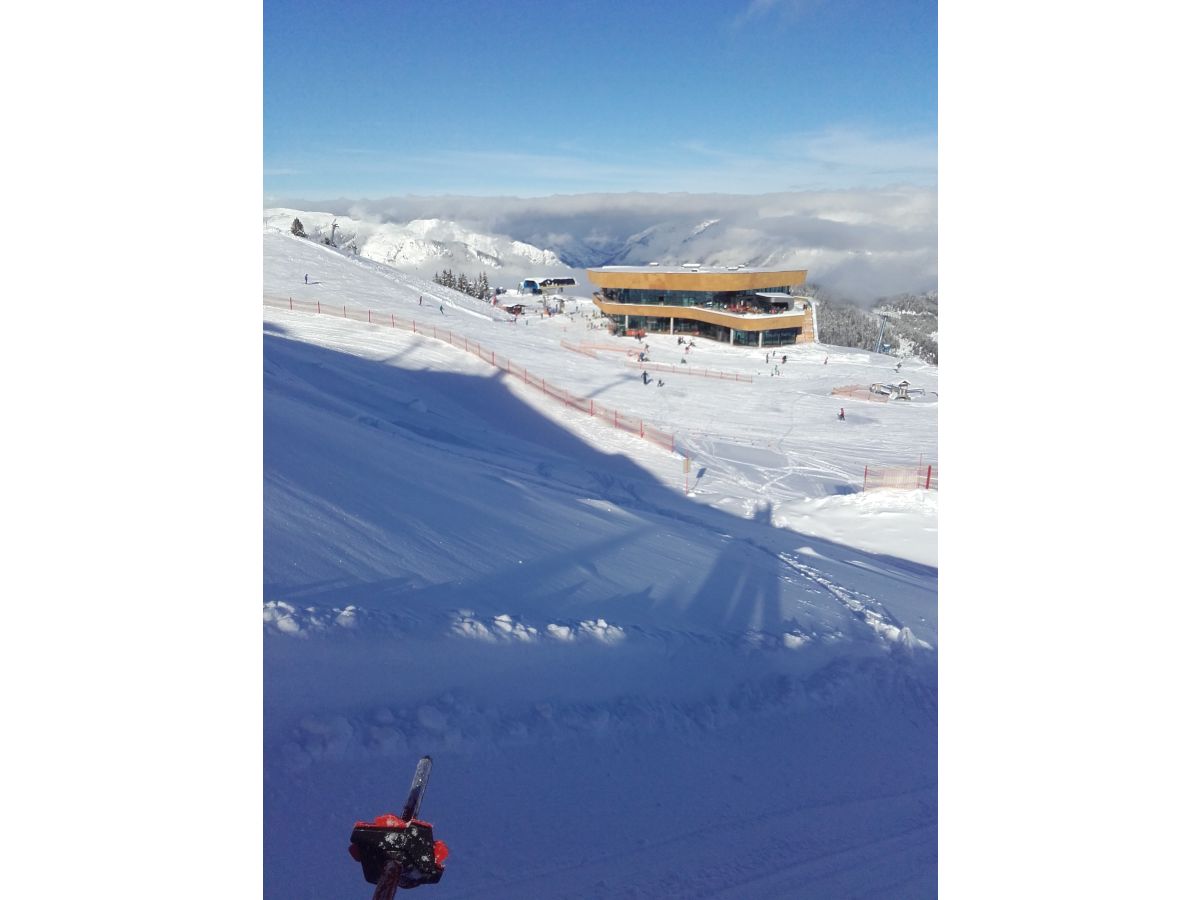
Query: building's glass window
column 779, row 337
column 715, row 332
column 649, row 323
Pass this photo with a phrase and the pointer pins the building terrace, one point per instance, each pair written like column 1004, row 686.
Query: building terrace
column 738, row 305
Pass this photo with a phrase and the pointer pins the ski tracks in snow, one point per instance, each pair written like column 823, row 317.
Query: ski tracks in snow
column 869, row 611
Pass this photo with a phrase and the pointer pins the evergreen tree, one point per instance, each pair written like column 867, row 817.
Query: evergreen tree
column 298, row 229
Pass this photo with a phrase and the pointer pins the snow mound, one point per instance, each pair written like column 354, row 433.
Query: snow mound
column 284, row 618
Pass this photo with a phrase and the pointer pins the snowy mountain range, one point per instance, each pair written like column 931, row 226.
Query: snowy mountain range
column 858, row 246
column 421, row 246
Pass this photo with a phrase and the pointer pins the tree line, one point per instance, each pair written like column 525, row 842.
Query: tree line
column 298, row 231
column 908, row 321
column 478, row 288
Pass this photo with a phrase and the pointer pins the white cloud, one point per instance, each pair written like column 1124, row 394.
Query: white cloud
column 859, row 243
column 837, row 158
column 787, row 10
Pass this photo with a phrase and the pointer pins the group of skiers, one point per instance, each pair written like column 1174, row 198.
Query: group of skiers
column 646, row 379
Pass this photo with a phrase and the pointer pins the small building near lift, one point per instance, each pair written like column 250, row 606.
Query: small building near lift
column 736, row 305
column 546, row 285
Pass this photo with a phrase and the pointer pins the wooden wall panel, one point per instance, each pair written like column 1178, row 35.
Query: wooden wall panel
column 696, row 281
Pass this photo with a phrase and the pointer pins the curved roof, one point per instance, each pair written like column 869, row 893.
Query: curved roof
column 678, row 278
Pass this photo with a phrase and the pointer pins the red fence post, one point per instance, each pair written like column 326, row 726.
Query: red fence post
column 864, row 478
column 928, row 475
column 289, row 302
column 318, row 307
column 343, row 312
column 368, row 317
column 641, row 428
column 393, row 315
column 591, row 407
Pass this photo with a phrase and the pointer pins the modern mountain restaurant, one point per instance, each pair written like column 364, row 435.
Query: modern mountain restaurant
column 740, row 306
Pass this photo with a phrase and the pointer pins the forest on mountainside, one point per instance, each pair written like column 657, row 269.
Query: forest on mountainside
column 909, row 323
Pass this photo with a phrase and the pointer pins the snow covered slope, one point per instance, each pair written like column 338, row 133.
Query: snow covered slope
column 626, row 690
column 424, row 246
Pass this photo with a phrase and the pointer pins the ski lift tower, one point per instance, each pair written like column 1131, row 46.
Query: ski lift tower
column 879, row 340
column 333, row 233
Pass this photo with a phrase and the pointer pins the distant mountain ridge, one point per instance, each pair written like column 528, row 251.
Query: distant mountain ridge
column 860, row 246
column 422, row 246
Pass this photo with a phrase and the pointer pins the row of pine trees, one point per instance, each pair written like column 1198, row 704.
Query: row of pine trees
column 298, row 231
column 477, row 288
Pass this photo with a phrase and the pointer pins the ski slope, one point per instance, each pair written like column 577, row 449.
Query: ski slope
column 627, row 690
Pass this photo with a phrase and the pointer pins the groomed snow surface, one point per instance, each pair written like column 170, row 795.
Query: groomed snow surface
column 627, row 691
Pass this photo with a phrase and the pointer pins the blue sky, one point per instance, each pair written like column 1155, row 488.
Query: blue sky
column 479, row 97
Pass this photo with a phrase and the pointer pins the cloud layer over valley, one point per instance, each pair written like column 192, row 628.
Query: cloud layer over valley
column 859, row 244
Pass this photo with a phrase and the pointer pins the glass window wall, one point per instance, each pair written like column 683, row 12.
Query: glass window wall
column 715, row 332
column 649, row 323
column 779, row 337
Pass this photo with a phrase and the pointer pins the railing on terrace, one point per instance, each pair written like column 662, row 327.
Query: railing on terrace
column 742, row 310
